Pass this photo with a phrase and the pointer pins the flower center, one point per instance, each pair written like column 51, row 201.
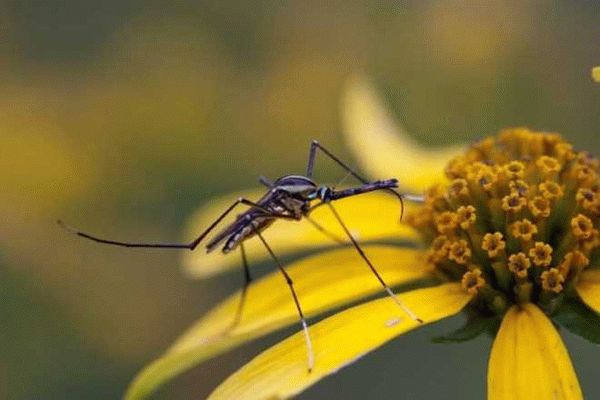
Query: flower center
column 518, row 220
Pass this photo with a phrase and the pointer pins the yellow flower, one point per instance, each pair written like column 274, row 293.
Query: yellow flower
column 466, row 216
column 493, row 244
column 519, row 264
column 596, row 74
column 552, row 280
column 472, row 281
column 523, row 230
column 541, row 254
column 477, row 251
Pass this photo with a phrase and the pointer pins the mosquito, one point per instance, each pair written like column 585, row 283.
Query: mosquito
column 291, row 197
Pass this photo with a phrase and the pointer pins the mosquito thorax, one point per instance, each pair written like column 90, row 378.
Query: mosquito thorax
column 296, row 186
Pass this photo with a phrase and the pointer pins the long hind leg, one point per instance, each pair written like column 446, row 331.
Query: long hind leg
column 191, row 245
column 362, row 254
column 290, row 283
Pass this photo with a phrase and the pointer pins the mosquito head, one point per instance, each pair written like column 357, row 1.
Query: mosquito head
column 297, row 186
column 323, row 193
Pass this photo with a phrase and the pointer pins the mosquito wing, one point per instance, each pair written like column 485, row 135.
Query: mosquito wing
column 244, row 226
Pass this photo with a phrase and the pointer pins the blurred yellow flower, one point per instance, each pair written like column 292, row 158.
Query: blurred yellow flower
column 596, row 74
column 484, row 249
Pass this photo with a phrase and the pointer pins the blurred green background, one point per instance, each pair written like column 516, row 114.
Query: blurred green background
column 123, row 117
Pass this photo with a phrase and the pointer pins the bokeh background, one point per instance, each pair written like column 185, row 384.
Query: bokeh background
column 123, row 117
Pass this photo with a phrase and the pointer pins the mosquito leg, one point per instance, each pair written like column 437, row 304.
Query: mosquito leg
column 247, row 281
column 312, row 153
column 315, row 145
column 326, row 232
column 191, row 246
column 364, row 257
column 290, row 283
column 265, row 181
column 339, row 182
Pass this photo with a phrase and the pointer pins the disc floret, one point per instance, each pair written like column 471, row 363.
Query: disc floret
column 518, row 220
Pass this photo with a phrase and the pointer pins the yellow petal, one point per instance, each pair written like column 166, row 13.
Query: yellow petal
column 596, row 74
column 281, row 371
column 529, row 359
column 370, row 216
column 383, row 147
column 588, row 288
column 322, row 282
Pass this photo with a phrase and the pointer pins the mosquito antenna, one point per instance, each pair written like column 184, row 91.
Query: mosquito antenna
column 265, row 181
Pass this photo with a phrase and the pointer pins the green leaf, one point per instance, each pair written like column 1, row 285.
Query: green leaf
column 474, row 327
column 580, row 320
